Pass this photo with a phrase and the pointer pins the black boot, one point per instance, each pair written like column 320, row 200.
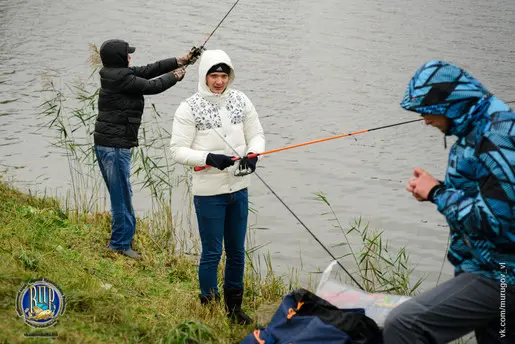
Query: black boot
column 233, row 299
column 205, row 300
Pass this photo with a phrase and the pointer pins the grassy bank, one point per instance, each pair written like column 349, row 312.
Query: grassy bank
column 110, row 299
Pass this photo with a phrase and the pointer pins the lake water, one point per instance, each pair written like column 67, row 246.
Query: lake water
column 312, row 69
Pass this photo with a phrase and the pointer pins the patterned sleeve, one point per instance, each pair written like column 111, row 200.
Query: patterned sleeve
column 491, row 212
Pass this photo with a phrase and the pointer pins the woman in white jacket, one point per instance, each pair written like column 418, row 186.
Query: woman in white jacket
column 208, row 128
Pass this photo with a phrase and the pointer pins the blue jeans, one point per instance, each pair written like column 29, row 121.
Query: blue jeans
column 115, row 165
column 222, row 217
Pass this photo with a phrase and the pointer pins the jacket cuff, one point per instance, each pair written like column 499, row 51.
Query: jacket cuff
column 175, row 64
column 174, row 80
column 171, row 64
column 434, row 192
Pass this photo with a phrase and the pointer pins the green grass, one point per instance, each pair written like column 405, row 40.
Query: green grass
column 110, row 298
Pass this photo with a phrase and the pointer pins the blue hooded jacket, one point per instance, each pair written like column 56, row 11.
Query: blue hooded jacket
column 478, row 195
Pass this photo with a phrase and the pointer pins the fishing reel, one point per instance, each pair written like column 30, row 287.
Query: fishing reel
column 195, row 54
column 243, row 168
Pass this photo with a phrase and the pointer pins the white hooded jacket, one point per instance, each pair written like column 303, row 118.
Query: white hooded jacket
column 203, row 119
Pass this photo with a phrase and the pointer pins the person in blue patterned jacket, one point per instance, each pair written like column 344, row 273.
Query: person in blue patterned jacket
column 477, row 199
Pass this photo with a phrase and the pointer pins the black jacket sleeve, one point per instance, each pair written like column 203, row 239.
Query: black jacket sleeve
column 155, row 69
column 136, row 85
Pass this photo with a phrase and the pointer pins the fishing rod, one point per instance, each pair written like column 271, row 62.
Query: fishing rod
column 291, row 211
column 221, row 21
column 198, row 51
column 200, row 168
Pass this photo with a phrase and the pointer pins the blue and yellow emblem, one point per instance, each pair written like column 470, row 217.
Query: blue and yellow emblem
column 40, row 302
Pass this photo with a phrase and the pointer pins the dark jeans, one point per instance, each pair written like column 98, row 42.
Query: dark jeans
column 115, row 165
column 456, row 307
column 222, row 217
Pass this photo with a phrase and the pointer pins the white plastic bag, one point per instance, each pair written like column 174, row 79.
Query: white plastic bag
column 377, row 306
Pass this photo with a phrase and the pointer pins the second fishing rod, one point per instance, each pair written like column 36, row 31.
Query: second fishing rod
column 196, row 52
column 200, row 168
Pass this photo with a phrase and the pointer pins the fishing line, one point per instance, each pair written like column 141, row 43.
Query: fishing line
column 238, row 157
column 294, row 215
column 309, row 231
column 444, row 259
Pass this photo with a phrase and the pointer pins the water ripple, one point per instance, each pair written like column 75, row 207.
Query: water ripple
column 312, row 69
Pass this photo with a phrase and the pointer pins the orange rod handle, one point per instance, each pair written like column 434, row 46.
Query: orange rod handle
column 200, row 168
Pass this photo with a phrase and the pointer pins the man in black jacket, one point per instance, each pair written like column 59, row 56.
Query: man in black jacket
column 120, row 108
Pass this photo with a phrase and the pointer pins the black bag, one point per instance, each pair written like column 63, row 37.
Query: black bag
column 303, row 317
